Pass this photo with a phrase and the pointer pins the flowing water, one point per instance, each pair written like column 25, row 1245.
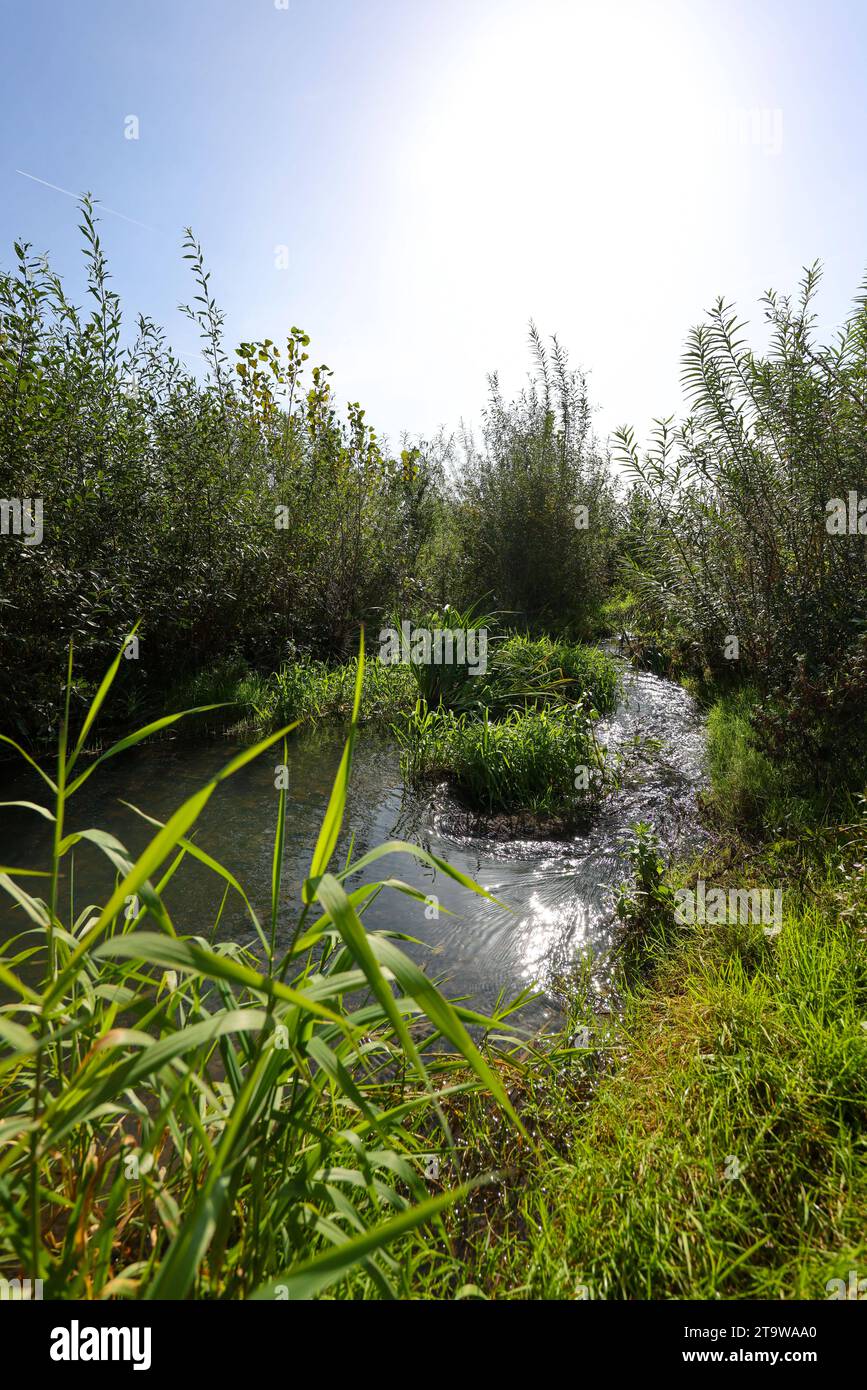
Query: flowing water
column 558, row 894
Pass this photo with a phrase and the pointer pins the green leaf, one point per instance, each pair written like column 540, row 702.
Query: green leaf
column 305, row 1280
column 330, row 829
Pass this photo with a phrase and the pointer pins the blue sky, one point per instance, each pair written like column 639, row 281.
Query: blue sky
column 440, row 172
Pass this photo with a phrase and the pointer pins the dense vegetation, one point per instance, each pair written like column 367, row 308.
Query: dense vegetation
column 732, row 533
column 518, row 741
column 238, row 515
column 244, row 522
column 532, row 515
column 183, row 1117
column 523, row 762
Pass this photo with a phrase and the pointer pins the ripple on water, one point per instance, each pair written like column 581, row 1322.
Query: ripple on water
column 557, row 894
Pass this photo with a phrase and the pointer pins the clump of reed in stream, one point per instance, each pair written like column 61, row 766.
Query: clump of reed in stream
column 545, row 763
column 531, row 672
column 183, row 1118
column 303, row 688
column 521, row 672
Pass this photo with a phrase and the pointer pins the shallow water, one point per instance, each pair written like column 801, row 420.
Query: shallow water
column 558, row 892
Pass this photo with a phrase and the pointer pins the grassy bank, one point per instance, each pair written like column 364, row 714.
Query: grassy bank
column 723, row 1156
column 305, row 689
column 710, row 1144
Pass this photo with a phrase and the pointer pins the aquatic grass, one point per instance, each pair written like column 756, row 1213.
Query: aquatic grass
column 525, row 762
column 304, row 688
column 524, row 743
column 454, row 685
column 530, row 672
column 523, row 673
column 181, row 1118
column 314, row 690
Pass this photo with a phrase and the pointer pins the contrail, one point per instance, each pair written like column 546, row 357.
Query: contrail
column 76, row 196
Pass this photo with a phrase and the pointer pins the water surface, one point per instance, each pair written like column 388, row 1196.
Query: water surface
column 558, row 893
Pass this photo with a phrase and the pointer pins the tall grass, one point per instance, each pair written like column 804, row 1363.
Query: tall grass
column 314, row 691
column 530, row 672
column 526, row 762
column 304, row 688
column 181, row 1117
column 710, row 1145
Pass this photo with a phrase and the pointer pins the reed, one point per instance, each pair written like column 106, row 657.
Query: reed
column 185, row 1117
column 526, row 762
column 531, row 672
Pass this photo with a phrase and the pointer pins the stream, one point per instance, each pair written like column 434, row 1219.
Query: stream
column 558, row 894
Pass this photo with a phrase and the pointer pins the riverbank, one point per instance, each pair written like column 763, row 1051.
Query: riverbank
column 710, row 1143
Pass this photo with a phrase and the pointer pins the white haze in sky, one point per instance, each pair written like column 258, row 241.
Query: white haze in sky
column 437, row 172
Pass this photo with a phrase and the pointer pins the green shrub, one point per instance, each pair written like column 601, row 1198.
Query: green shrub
column 238, row 512
column 514, row 500
column 727, row 526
